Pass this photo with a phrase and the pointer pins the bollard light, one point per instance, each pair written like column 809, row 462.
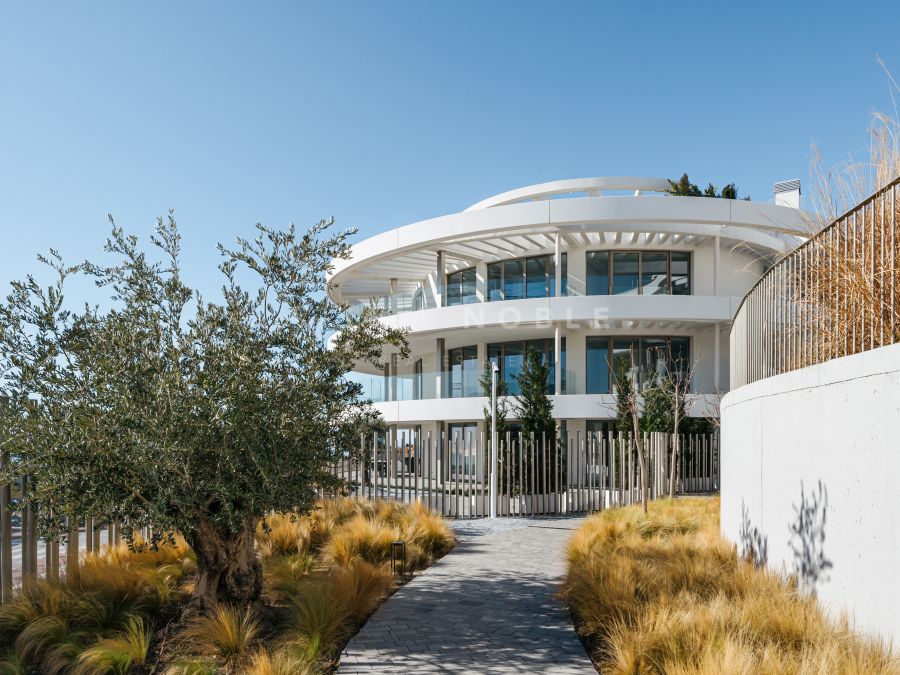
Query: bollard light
column 398, row 556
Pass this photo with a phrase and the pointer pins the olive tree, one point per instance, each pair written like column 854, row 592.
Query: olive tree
column 160, row 408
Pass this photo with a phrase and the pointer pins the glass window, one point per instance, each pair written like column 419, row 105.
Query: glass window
column 453, row 297
column 511, row 366
column 461, row 287
column 679, row 355
column 510, row 356
column 513, row 280
column 562, row 275
column 622, row 361
column 654, row 273
column 654, row 357
column 625, row 273
column 597, row 366
column 536, row 277
column 495, row 281
column 462, row 436
column 467, row 286
column 681, row 273
column 597, row 272
column 463, row 374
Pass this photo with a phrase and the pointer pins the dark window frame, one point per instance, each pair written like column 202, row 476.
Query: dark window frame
column 611, row 272
column 464, row 298
column 548, row 351
column 611, row 380
column 465, row 385
column 549, row 276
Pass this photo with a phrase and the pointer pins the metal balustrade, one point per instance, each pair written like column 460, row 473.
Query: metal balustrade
column 835, row 295
column 570, row 473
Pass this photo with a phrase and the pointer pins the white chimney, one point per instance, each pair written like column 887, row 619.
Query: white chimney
column 787, row 193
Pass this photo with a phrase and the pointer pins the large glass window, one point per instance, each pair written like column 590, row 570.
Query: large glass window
column 461, row 287
column 622, row 363
column 609, row 357
column 463, row 437
column 510, row 357
column 654, row 356
column 597, row 272
column 563, row 276
column 536, row 281
column 513, row 279
column 654, row 273
column 522, row 278
column 679, row 355
column 638, row 272
column 495, row 282
column 625, row 272
column 681, row 273
column 597, row 380
column 463, row 372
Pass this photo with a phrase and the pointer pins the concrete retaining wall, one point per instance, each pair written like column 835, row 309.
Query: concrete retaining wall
column 811, row 481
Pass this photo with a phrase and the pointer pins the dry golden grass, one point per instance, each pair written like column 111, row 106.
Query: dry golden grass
column 848, row 288
column 226, row 633
column 324, row 573
column 94, row 623
column 664, row 593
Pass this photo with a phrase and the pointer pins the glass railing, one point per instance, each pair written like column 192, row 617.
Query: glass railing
column 396, row 303
column 425, row 386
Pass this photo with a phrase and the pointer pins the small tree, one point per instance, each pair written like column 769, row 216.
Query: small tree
column 659, row 405
column 629, row 405
column 534, row 408
column 676, row 379
column 683, row 187
column 624, row 388
column 502, row 402
column 165, row 410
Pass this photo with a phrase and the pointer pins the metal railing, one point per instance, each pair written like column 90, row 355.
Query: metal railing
column 571, row 473
column 835, row 295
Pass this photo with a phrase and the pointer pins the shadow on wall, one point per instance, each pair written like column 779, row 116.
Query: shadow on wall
column 808, row 538
column 754, row 544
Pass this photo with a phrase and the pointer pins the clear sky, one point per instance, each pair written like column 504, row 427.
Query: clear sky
column 384, row 113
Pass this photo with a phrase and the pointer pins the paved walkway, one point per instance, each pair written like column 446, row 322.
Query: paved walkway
column 487, row 607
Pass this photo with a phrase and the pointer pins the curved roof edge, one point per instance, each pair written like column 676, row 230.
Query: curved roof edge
column 561, row 187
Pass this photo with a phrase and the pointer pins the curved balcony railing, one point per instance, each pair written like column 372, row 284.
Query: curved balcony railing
column 837, row 294
column 425, row 386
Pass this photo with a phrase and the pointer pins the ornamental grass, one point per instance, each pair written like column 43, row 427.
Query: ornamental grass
column 665, row 593
column 324, row 573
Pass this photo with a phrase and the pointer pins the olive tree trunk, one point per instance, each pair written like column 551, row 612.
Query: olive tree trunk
column 228, row 569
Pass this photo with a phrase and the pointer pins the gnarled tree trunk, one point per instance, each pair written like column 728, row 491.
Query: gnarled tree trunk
column 228, row 569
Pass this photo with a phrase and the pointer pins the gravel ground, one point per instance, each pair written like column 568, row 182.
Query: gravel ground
column 477, row 527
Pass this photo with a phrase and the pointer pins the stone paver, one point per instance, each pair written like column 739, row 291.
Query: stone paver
column 487, row 607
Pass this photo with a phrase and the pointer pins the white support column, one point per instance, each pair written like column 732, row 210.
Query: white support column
column 394, row 369
column 558, row 270
column 716, row 358
column 440, row 279
column 393, row 301
column 439, row 369
column 557, row 361
column 716, row 266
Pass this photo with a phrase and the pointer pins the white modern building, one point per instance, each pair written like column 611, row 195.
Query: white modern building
column 579, row 269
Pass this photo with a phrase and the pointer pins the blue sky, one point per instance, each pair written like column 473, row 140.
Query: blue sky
column 383, row 113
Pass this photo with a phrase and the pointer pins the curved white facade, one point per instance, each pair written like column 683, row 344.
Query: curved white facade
column 525, row 269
